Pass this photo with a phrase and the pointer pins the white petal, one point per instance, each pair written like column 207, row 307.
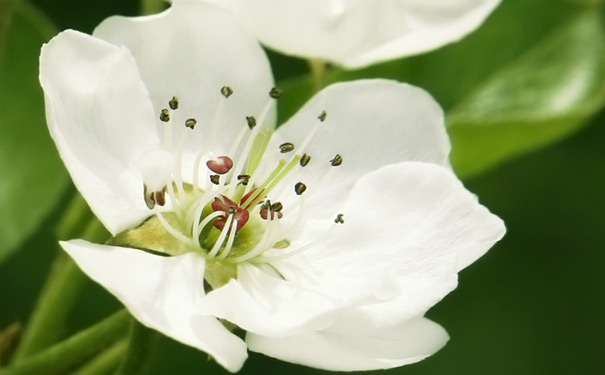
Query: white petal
column 260, row 301
column 411, row 221
column 100, row 116
column 163, row 293
column 191, row 51
column 370, row 123
column 361, row 347
column 355, row 33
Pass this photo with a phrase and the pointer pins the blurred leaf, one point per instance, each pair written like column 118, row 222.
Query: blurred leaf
column 32, row 176
column 519, row 43
column 544, row 95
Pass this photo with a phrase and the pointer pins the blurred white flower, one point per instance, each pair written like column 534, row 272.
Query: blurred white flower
column 326, row 240
column 356, row 33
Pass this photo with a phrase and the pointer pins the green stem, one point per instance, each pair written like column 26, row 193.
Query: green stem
column 138, row 349
column 152, row 6
column 319, row 71
column 106, row 362
column 63, row 284
column 65, row 355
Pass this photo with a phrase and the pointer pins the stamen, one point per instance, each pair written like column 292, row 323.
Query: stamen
column 286, row 147
column 220, row 165
column 173, row 103
column 336, row 161
column 190, row 123
column 165, row 115
column 170, row 229
column 304, row 160
column 251, row 121
column 215, row 179
column 339, row 219
column 226, row 91
column 322, row 116
column 300, row 188
column 277, row 207
column 275, row 93
column 244, row 178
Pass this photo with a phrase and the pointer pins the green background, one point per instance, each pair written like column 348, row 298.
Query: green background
column 535, row 304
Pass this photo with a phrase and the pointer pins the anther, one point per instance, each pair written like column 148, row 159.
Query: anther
column 286, row 147
column 322, row 116
column 215, row 179
column 275, row 93
column 190, row 123
column 174, row 103
column 244, row 178
column 339, row 219
column 300, row 188
column 336, row 161
column 220, row 165
column 226, row 91
column 304, row 160
column 251, row 121
column 277, row 207
column 165, row 115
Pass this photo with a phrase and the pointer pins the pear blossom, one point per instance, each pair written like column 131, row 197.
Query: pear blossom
column 357, row 33
column 322, row 242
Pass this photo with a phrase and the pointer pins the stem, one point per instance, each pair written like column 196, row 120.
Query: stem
column 63, row 284
column 152, row 6
column 138, row 350
column 106, row 362
column 68, row 353
column 319, row 70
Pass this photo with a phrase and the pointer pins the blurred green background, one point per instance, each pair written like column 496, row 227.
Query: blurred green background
column 535, row 304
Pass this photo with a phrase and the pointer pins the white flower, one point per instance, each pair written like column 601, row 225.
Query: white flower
column 356, row 33
column 326, row 241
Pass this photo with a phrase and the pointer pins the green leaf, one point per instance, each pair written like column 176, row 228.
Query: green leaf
column 32, row 176
column 544, row 95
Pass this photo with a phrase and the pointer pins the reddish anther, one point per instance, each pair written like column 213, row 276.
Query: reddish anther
column 220, row 165
column 264, row 213
column 225, row 204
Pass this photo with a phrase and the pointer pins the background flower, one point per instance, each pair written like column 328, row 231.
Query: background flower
column 356, row 33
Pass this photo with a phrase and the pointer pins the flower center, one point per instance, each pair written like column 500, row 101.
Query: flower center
column 222, row 209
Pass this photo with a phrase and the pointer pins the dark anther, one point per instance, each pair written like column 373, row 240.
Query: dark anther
column 300, row 188
column 277, row 206
column 190, row 123
column 251, row 121
column 174, row 103
column 304, row 160
column 336, row 161
column 215, row 179
column 275, row 93
column 165, row 115
column 226, row 91
column 154, row 197
column 244, row 178
column 286, row 147
column 322, row 116
column 339, row 219
column 231, row 210
column 266, row 204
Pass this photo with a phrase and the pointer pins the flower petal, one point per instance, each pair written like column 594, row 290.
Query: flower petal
column 355, row 33
column 361, row 347
column 411, row 221
column 370, row 123
column 99, row 115
column 163, row 293
column 260, row 301
column 191, row 51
